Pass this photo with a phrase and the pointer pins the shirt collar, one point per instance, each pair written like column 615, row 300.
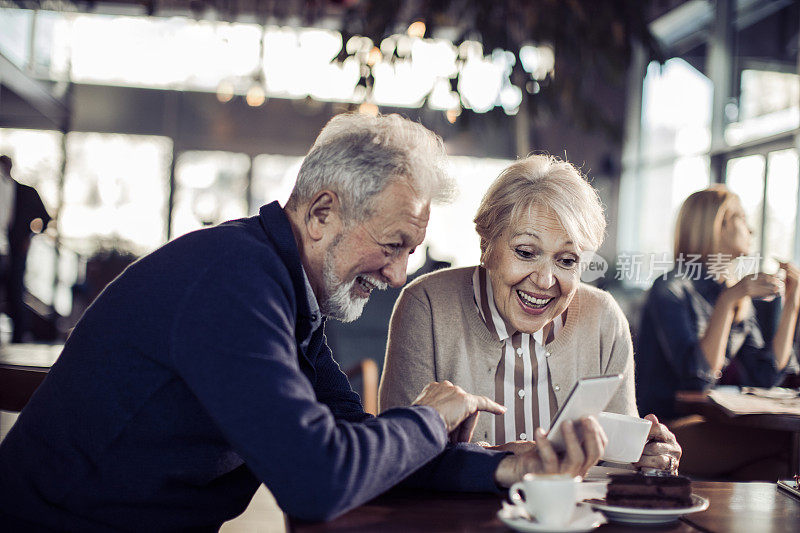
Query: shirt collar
column 313, row 304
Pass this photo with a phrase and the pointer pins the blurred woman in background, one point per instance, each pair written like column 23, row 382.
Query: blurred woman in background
column 700, row 328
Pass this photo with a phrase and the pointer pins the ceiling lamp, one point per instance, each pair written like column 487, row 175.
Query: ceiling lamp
column 225, row 91
column 256, row 95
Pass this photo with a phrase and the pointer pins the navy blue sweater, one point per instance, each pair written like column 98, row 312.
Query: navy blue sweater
column 184, row 386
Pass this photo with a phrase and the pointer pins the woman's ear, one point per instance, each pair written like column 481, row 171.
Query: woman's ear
column 323, row 216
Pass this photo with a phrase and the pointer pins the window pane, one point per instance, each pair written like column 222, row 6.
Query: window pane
column 210, row 187
column 115, row 192
column 782, row 183
column 765, row 72
column 37, row 160
column 15, row 32
column 768, row 105
column 676, row 111
column 745, row 177
column 273, row 179
column 660, row 192
column 451, row 233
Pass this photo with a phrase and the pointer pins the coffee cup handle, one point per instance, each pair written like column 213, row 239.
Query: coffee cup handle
column 517, row 493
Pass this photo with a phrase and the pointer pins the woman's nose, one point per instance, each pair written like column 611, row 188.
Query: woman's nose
column 542, row 275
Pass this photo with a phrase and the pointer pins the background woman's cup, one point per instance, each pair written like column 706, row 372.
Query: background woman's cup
column 549, row 498
column 627, row 436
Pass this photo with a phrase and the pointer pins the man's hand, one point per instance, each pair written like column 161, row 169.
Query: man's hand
column 458, row 408
column 581, row 453
column 662, row 450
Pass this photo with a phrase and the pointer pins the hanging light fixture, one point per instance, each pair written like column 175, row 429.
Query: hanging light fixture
column 256, row 95
column 225, row 91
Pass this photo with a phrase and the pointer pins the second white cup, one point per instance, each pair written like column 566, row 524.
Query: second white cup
column 627, row 436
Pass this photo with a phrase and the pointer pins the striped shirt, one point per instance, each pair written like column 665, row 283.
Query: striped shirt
column 522, row 379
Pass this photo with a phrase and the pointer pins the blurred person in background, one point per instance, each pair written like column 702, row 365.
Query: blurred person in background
column 520, row 327
column 22, row 214
column 203, row 370
column 700, row 328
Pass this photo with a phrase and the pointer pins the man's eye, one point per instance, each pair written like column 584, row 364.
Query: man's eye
column 392, row 248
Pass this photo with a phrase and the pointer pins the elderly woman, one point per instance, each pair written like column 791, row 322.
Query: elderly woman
column 700, row 328
column 521, row 327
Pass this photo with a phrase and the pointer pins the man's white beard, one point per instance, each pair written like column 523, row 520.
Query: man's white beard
column 339, row 302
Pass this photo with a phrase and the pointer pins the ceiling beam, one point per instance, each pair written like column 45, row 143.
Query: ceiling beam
column 36, row 93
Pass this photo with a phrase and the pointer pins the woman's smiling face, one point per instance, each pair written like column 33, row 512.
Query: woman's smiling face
column 534, row 270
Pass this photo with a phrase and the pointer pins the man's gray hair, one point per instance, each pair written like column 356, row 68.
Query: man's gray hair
column 357, row 156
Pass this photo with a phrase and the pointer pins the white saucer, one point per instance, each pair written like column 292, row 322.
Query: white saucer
column 637, row 515
column 584, row 519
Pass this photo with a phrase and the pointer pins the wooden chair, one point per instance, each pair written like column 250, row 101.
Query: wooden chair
column 367, row 370
column 23, row 367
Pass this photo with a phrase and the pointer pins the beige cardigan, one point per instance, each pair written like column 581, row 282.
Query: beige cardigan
column 436, row 334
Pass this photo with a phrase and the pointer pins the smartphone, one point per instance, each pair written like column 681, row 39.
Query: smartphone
column 588, row 397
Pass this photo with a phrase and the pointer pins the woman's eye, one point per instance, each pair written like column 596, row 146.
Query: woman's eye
column 568, row 262
column 524, row 254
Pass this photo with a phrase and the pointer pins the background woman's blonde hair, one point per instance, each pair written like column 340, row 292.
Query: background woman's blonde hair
column 547, row 181
column 697, row 230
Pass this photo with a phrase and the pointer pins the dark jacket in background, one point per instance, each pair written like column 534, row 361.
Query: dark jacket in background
column 668, row 354
column 28, row 207
column 195, row 376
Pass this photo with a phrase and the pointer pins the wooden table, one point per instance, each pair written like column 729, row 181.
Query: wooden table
column 23, row 367
column 734, row 507
column 694, row 402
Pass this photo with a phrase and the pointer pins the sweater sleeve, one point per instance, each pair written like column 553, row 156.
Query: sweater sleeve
column 675, row 331
column 409, row 363
column 620, row 359
column 233, row 344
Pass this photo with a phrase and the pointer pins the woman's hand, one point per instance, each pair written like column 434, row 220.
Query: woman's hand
column 662, row 451
column 581, row 453
column 517, row 447
column 792, row 294
column 759, row 286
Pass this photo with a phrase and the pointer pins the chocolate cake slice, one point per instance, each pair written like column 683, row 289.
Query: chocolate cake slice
column 652, row 492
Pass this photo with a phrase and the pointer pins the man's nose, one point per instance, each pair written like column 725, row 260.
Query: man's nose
column 395, row 271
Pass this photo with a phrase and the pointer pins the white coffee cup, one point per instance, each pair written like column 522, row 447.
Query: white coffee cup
column 549, row 498
column 627, row 436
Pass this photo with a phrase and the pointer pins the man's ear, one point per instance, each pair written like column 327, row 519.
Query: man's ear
column 323, row 215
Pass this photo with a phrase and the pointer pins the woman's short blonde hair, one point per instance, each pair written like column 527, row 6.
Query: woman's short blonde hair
column 541, row 180
column 699, row 224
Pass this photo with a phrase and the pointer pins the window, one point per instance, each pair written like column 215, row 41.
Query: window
column 273, row 179
column 210, row 187
column 115, row 192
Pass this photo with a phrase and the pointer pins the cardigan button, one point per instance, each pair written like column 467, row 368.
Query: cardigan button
column 557, row 388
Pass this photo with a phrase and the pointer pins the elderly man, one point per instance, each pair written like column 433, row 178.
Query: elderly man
column 203, row 370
